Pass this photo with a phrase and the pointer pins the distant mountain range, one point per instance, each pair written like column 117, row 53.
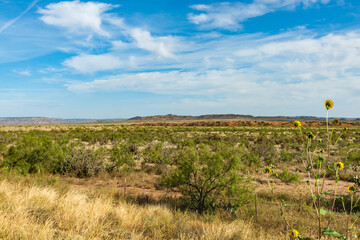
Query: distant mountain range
column 44, row 120
column 171, row 117
column 162, row 118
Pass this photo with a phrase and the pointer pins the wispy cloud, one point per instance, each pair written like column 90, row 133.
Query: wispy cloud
column 230, row 15
column 163, row 46
column 14, row 20
column 87, row 18
column 23, row 72
column 300, row 66
column 93, row 63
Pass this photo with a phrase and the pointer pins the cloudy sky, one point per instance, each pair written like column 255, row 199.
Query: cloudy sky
column 110, row 59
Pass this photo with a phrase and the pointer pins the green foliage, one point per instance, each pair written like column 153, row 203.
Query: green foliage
column 35, row 152
column 286, row 156
column 353, row 157
column 82, row 162
column 333, row 233
column 38, row 152
column 209, row 179
column 288, row 177
column 252, row 160
column 265, row 149
column 122, row 156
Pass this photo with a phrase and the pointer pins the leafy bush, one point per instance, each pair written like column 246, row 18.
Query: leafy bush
column 35, row 152
column 82, row 163
column 353, row 158
column 286, row 156
column 252, row 160
column 209, row 179
column 288, row 177
column 122, row 156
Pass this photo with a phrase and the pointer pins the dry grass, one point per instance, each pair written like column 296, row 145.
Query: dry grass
column 28, row 211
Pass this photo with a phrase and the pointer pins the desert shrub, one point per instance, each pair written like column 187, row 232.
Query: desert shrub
column 116, row 137
column 209, row 179
column 3, row 149
column 5, row 138
column 265, row 148
column 89, row 137
column 82, row 162
column 158, row 154
column 122, row 156
column 288, row 177
column 252, row 160
column 35, row 152
column 353, row 157
column 244, row 141
column 266, row 151
column 286, row 156
column 186, row 143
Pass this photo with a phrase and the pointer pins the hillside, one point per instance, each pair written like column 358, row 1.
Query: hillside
column 171, row 117
column 164, row 118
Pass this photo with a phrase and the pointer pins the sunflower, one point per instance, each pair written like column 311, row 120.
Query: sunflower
column 328, row 104
column 294, row 234
column 297, row 124
column 339, row 165
column 336, row 121
column 310, row 135
column 268, row 170
column 351, row 188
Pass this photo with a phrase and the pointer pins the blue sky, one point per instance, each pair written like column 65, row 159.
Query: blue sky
column 114, row 59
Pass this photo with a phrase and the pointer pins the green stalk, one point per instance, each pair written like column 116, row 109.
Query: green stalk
column 348, row 217
column 333, row 205
column 328, row 134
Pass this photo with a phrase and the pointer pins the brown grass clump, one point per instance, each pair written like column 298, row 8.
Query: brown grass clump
column 39, row 212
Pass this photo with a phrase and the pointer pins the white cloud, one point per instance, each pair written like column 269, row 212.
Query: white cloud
column 331, row 56
column 93, row 63
column 23, row 72
column 88, row 18
column 119, row 45
column 76, row 16
column 172, row 82
column 163, row 46
column 199, row 18
column 230, row 15
column 233, row 90
column 280, row 69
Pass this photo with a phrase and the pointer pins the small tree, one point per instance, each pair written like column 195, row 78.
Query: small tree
column 122, row 156
column 209, row 178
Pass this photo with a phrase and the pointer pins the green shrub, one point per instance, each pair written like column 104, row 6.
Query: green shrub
column 122, row 156
column 209, row 179
column 288, row 177
column 82, row 162
column 35, row 152
column 252, row 160
column 353, row 157
column 286, row 156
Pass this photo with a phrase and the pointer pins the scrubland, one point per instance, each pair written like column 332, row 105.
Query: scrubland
column 114, row 181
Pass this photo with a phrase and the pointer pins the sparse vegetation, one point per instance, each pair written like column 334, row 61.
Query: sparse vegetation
column 179, row 181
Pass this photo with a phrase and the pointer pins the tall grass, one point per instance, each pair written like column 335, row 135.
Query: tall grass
column 44, row 212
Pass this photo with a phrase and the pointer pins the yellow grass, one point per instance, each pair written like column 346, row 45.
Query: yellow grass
column 43, row 212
